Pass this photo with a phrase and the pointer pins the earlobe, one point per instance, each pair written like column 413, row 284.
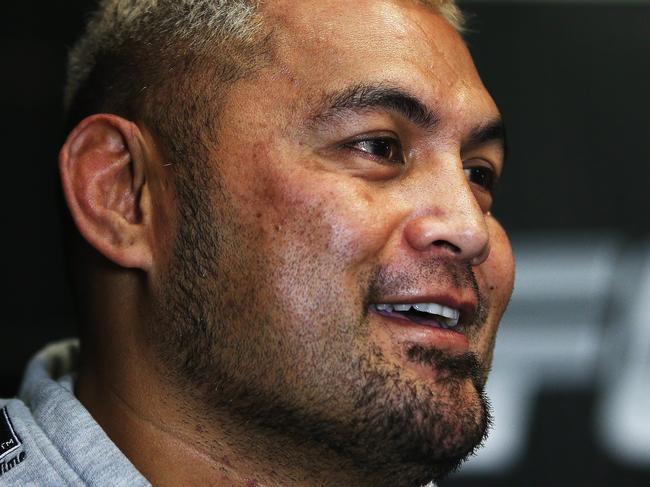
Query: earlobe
column 103, row 178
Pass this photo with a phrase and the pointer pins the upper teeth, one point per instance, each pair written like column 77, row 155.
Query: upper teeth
column 452, row 315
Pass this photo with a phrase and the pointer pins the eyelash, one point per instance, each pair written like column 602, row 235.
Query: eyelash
column 369, row 145
column 482, row 176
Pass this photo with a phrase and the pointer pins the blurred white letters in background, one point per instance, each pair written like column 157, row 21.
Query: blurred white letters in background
column 579, row 319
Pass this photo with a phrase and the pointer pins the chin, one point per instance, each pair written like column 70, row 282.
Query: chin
column 409, row 431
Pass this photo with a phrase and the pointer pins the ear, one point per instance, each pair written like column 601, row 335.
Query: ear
column 104, row 185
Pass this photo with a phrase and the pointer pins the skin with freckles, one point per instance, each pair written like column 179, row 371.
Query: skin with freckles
column 346, row 174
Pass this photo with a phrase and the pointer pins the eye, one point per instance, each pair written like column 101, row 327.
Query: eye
column 379, row 148
column 481, row 176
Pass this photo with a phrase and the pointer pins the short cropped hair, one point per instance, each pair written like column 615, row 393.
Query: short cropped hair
column 163, row 62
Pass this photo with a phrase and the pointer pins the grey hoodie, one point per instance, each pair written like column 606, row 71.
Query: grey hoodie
column 47, row 438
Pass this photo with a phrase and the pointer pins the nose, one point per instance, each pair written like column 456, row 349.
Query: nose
column 451, row 223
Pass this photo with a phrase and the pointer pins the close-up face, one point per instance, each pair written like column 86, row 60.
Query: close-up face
column 337, row 272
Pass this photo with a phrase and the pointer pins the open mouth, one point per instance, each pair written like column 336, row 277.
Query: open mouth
column 428, row 314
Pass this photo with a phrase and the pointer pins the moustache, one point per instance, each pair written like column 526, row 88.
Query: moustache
column 408, row 280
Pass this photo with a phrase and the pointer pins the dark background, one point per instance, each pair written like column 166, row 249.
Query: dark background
column 572, row 80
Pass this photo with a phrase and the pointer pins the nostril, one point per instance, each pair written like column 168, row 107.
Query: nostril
column 447, row 245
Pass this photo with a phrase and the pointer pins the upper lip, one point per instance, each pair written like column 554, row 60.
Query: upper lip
column 465, row 302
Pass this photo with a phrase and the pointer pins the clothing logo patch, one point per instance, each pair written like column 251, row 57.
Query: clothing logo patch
column 9, row 441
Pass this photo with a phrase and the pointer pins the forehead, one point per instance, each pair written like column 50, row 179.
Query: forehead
column 326, row 45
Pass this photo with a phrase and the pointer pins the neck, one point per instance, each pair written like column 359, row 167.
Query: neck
column 163, row 434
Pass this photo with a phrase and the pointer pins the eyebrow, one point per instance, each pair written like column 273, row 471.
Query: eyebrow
column 491, row 131
column 362, row 97
column 371, row 97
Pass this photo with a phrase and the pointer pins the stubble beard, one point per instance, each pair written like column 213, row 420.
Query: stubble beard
column 392, row 429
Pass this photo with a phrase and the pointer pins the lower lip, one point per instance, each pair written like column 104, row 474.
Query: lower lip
column 404, row 330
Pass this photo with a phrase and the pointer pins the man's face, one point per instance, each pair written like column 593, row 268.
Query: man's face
column 347, row 181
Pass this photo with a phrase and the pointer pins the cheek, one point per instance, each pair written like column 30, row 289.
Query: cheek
column 499, row 269
column 320, row 213
column 496, row 278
